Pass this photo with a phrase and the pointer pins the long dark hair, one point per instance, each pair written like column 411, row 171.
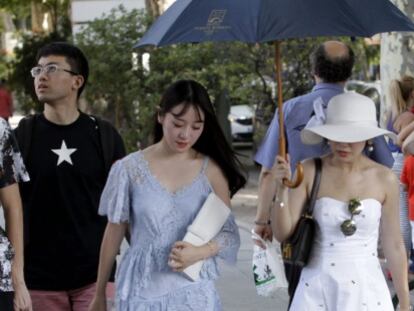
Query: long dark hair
column 212, row 141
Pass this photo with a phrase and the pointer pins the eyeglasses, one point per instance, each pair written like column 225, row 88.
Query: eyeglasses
column 348, row 227
column 48, row 69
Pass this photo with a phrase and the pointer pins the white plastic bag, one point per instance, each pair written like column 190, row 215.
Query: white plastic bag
column 268, row 270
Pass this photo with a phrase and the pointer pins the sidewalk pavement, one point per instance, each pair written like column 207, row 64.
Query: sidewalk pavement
column 236, row 285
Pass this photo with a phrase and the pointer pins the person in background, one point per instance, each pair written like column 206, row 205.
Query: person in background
column 399, row 117
column 157, row 192
column 407, row 180
column 6, row 101
column 14, row 295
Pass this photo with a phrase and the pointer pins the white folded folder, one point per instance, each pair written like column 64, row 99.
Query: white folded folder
column 207, row 224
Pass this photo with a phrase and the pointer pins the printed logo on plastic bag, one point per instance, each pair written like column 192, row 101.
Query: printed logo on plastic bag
column 268, row 269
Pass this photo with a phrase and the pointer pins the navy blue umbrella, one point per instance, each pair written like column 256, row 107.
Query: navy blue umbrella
column 253, row 21
column 269, row 20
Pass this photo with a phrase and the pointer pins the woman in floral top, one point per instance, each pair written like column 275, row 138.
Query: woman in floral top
column 13, row 292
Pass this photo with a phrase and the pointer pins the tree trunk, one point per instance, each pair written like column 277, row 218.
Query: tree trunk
column 37, row 17
column 397, row 50
column 153, row 7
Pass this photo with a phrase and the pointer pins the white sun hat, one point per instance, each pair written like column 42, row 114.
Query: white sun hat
column 350, row 118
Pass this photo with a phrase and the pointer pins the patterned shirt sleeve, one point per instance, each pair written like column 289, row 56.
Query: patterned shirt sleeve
column 12, row 169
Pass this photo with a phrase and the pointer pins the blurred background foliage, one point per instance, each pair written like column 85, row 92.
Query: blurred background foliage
column 126, row 90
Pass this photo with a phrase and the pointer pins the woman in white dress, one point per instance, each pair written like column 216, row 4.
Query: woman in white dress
column 357, row 201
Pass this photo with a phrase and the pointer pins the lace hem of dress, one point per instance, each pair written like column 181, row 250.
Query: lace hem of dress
column 138, row 265
column 200, row 296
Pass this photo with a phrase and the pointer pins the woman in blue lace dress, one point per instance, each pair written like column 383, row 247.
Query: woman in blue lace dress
column 156, row 193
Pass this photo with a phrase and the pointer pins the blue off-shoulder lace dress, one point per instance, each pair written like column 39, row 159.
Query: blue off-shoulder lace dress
column 157, row 219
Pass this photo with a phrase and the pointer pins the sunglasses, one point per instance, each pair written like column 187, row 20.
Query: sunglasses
column 348, row 227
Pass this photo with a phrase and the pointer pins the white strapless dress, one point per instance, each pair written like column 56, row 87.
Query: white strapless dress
column 344, row 273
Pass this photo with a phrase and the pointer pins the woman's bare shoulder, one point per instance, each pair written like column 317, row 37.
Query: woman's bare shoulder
column 309, row 165
column 218, row 181
column 214, row 171
column 148, row 150
column 383, row 174
column 309, row 171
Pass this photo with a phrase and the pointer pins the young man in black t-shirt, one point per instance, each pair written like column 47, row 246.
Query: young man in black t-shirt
column 66, row 154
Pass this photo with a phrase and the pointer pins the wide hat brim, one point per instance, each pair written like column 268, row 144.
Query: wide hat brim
column 342, row 133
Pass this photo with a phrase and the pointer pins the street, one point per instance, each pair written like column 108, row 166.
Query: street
column 236, row 285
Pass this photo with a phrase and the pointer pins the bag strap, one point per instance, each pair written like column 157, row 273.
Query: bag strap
column 23, row 133
column 315, row 186
column 107, row 140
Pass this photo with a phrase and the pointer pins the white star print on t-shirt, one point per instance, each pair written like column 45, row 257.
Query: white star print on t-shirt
column 64, row 153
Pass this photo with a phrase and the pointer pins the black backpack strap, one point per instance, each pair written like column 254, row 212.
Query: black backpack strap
column 107, row 139
column 315, row 186
column 23, row 134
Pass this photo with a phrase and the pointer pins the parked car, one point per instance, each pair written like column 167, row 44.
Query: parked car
column 241, row 121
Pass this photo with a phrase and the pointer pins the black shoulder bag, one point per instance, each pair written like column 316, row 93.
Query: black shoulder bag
column 297, row 248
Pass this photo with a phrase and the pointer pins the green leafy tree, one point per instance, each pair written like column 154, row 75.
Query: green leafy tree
column 115, row 87
column 18, row 8
column 128, row 94
column 3, row 66
column 20, row 79
column 29, row 9
column 58, row 10
column 24, row 55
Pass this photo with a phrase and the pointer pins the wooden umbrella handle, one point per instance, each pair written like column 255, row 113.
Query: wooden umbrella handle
column 282, row 139
column 299, row 167
column 299, row 177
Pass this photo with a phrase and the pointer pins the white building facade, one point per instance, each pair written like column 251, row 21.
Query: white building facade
column 84, row 11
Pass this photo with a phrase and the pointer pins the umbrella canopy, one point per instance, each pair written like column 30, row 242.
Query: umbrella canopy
column 252, row 21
